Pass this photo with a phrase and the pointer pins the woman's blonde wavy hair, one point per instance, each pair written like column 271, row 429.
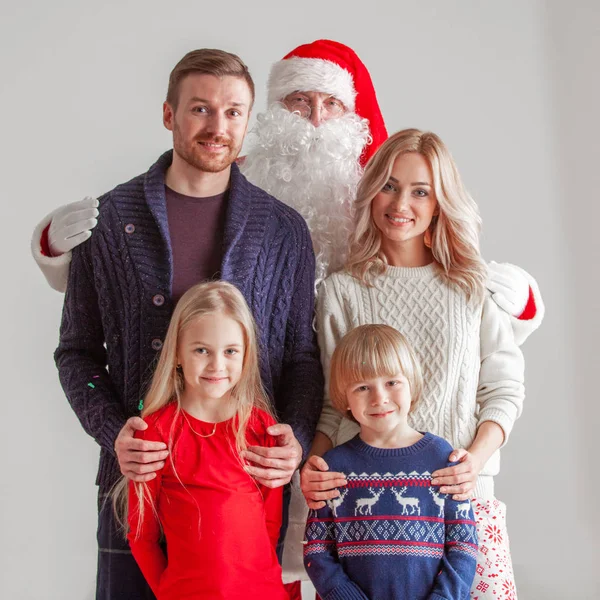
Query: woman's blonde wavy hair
column 217, row 297
column 454, row 231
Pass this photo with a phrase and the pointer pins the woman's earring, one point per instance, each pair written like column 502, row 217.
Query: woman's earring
column 179, row 369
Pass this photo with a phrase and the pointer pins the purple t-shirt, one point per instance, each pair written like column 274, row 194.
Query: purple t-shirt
column 196, row 226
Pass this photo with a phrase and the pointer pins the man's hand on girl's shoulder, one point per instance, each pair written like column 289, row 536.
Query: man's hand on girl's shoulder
column 139, row 459
column 276, row 464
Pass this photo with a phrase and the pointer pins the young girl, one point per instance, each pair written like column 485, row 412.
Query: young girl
column 414, row 264
column 389, row 534
column 207, row 404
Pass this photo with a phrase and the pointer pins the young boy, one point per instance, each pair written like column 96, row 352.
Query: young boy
column 389, row 534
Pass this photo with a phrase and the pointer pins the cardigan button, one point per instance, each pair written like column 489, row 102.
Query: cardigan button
column 157, row 344
column 158, row 300
column 129, row 228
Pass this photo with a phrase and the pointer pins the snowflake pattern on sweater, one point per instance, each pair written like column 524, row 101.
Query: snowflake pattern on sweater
column 391, row 534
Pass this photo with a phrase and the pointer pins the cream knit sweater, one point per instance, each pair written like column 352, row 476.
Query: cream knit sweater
column 472, row 368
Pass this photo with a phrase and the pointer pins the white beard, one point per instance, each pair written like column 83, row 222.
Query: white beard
column 315, row 170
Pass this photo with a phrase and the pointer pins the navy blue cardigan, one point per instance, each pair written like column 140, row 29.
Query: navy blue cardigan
column 118, row 305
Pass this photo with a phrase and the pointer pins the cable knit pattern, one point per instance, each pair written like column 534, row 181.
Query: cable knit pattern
column 472, row 368
column 112, row 326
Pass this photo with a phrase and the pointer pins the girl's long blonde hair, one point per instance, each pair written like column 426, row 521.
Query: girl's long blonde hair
column 168, row 383
column 454, row 231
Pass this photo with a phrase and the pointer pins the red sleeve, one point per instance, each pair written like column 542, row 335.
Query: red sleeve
column 530, row 308
column 272, row 498
column 45, row 243
column 144, row 534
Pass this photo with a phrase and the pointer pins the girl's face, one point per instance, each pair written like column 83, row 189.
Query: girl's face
column 381, row 404
column 403, row 209
column 211, row 355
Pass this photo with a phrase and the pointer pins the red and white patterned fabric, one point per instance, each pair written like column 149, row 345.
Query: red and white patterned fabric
column 494, row 578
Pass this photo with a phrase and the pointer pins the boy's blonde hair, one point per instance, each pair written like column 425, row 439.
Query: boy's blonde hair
column 371, row 351
column 168, row 383
column 454, row 232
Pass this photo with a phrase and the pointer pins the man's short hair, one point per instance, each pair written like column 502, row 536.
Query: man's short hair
column 207, row 61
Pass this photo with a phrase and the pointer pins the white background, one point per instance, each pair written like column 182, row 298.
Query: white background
column 511, row 86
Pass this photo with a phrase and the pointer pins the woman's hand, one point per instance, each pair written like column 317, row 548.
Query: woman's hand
column 460, row 479
column 318, row 483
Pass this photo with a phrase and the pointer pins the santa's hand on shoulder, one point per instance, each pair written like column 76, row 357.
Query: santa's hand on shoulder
column 71, row 225
column 509, row 287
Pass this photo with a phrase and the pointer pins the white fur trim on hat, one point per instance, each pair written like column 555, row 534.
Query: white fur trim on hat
column 310, row 75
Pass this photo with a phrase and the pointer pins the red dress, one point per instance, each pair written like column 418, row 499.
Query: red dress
column 220, row 526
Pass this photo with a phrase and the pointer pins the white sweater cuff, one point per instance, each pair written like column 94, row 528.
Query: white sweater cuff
column 499, row 417
column 523, row 329
column 54, row 268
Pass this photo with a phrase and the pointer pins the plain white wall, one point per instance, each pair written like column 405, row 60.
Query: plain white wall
column 511, row 87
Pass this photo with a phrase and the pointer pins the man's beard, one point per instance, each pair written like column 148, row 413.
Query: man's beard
column 192, row 153
column 312, row 169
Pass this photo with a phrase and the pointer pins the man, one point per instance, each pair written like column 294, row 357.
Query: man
column 192, row 216
column 321, row 125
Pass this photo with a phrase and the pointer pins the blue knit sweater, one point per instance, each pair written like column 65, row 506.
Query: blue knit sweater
column 118, row 305
column 391, row 535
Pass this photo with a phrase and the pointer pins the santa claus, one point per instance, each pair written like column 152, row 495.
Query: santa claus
column 308, row 149
column 321, row 126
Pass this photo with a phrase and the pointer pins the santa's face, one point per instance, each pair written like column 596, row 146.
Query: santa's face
column 316, row 107
column 210, row 121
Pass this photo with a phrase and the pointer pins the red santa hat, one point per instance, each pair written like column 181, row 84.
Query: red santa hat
column 330, row 67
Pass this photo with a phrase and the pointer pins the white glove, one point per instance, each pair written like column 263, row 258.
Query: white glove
column 71, row 225
column 509, row 287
